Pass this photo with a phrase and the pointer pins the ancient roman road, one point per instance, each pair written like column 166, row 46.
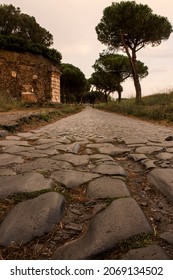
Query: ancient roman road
column 69, row 185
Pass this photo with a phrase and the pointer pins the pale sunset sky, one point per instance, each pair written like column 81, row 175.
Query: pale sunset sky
column 72, row 24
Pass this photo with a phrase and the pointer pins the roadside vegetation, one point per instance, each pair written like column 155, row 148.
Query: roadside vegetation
column 157, row 107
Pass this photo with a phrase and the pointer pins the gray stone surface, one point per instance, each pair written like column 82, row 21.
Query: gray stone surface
column 106, row 187
column 89, row 133
column 149, row 164
column 72, row 178
column 7, row 159
column 109, row 169
column 15, row 149
column 43, row 165
column 153, row 252
column 5, row 143
column 112, row 150
column 167, row 236
column 31, row 218
column 7, row 172
column 148, row 150
column 28, row 182
column 3, row 133
column 137, row 157
column 98, row 158
column 121, row 220
column 76, row 160
column 162, row 179
column 164, row 156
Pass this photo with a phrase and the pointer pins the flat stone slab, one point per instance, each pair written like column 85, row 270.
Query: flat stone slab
column 15, row 149
column 72, row 178
column 28, row 182
column 137, row 157
column 6, row 159
column 112, row 150
column 106, row 187
column 149, row 164
column 148, row 150
column 42, row 164
column 123, row 219
column 3, row 133
column 167, row 236
column 5, row 143
column 7, row 172
column 76, row 160
column 98, row 158
column 153, row 252
column 169, row 150
column 109, row 169
column 164, row 156
column 108, row 149
column 31, row 218
column 162, row 179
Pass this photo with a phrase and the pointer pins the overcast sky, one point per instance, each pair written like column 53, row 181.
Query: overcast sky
column 72, row 24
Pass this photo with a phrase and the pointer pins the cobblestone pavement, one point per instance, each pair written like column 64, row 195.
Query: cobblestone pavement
column 66, row 189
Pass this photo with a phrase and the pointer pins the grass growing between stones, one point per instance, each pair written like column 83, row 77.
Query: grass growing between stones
column 139, row 241
column 157, row 107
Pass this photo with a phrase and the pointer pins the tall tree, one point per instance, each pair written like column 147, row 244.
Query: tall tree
column 115, row 69
column 105, row 83
column 129, row 26
column 73, row 83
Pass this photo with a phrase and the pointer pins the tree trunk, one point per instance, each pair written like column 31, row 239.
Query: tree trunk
column 132, row 59
column 106, row 97
column 119, row 96
column 136, row 78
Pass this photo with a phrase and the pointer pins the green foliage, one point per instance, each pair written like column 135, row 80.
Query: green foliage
column 73, row 83
column 14, row 23
column 20, row 32
column 129, row 26
column 13, row 43
column 111, row 70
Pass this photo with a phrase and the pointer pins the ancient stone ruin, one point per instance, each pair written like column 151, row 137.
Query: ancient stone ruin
column 29, row 77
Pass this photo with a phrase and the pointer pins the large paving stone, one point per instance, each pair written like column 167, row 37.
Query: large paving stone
column 123, row 219
column 148, row 150
column 6, row 143
column 7, row 172
column 98, row 158
column 164, row 156
column 42, row 164
column 109, row 169
column 106, row 187
column 6, row 159
column 153, row 252
column 137, row 157
column 28, row 182
column 15, row 149
column 72, row 178
column 76, row 160
column 162, row 179
column 3, row 133
column 32, row 218
column 112, row 150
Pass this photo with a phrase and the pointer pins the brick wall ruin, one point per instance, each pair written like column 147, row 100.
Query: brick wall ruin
column 29, row 77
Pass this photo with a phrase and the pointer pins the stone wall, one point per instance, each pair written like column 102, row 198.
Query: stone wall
column 30, row 77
